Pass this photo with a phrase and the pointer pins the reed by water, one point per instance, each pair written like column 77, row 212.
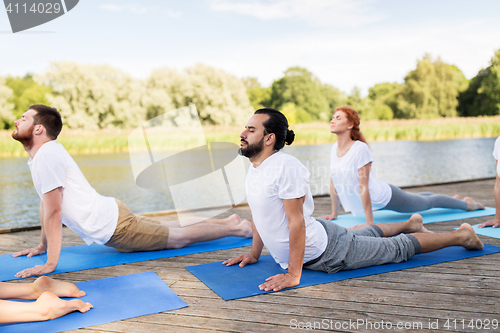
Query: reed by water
column 79, row 141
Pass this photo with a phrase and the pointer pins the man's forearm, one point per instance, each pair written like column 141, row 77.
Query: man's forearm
column 297, row 238
column 53, row 234
column 43, row 238
column 257, row 243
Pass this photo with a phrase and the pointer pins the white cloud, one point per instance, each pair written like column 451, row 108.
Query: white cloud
column 138, row 9
column 119, row 8
column 318, row 13
column 366, row 58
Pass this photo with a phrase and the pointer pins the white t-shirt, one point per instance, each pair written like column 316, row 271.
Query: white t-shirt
column 279, row 177
column 91, row 216
column 496, row 154
column 345, row 175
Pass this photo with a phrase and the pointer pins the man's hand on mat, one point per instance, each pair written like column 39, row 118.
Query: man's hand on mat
column 329, row 217
column 243, row 259
column 495, row 224
column 30, row 252
column 37, row 270
column 280, row 281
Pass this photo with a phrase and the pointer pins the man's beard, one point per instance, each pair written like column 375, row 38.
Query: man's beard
column 252, row 150
column 25, row 138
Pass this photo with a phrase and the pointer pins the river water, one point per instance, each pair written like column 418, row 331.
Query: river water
column 401, row 163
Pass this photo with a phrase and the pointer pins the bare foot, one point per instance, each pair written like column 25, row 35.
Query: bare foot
column 471, row 242
column 456, row 196
column 245, row 229
column 473, row 204
column 59, row 288
column 53, row 307
column 235, row 219
column 231, row 220
column 415, row 223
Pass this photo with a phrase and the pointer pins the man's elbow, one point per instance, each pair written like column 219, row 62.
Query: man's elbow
column 54, row 215
column 297, row 224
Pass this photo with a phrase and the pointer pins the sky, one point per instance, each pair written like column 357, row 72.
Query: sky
column 344, row 43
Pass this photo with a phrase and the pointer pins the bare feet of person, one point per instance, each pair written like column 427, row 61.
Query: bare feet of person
column 59, row 288
column 456, row 196
column 235, row 219
column 231, row 220
column 245, row 229
column 471, row 241
column 415, row 224
column 473, row 204
column 53, row 307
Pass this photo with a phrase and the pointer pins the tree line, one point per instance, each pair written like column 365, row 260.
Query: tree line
column 93, row 96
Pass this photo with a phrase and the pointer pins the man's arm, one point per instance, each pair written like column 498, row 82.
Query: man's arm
column 51, row 235
column 496, row 222
column 297, row 242
column 254, row 254
column 42, row 247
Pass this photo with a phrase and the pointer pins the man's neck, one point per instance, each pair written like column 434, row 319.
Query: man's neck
column 35, row 147
column 259, row 159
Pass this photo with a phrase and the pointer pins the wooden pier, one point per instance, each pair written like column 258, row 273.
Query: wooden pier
column 438, row 298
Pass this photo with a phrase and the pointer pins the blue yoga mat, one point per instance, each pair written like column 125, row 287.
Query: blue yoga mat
column 80, row 257
column 429, row 216
column 237, row 282
column 115, row 298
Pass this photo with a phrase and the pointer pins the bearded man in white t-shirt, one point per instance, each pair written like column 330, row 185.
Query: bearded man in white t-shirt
column 280, row 200
column 67, row 198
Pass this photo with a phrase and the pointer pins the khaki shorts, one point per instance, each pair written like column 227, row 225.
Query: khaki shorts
column 136, row 233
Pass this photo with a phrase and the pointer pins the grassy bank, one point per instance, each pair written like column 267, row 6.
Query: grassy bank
column 110, row 141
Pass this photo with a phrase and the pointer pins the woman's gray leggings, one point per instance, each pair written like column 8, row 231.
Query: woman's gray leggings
column 405, row 202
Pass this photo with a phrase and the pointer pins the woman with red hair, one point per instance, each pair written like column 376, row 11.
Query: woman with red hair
column 352, row 182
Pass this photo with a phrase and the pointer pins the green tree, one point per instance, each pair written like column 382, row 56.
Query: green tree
column 220, row 98
column 6, row 116
column 301, row 88
column 259, row 96
column 94, row 96
column 482, row 97
column 363, row 105
column 430, row 90
column 334, row 98
column 26, row 92
column 384, row 99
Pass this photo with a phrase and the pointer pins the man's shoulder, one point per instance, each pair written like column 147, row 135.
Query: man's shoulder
column 53, row 147
column 52, row 151
column 290, row 162
column 281, row 158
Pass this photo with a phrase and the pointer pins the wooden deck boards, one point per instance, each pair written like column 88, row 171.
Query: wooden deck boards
column 459, row 290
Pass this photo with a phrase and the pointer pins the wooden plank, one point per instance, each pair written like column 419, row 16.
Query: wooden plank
column 464, row 289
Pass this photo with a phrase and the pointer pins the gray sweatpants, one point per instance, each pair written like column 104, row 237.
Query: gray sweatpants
column 357, row 248
column 405, row 202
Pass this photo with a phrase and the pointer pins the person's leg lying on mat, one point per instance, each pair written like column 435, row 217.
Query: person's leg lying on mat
column 385, row 243
column 135, row 233
column 48, row 305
